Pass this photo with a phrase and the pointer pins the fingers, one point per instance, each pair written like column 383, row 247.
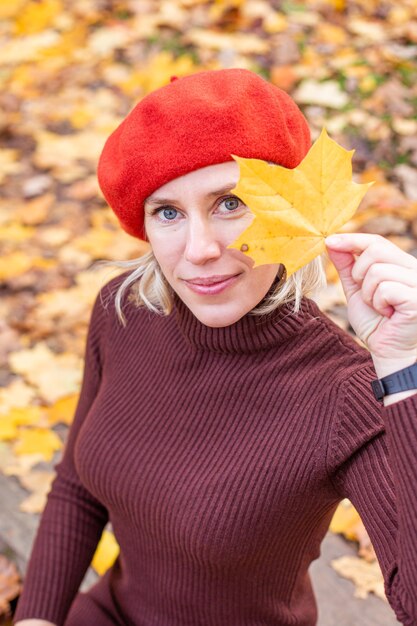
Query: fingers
column 391, row 295
column 343, row 262
column 356, row 242
column 370, row 249
column 351, row 242
column 374, row 255
column 379, row 273
column 385, row 275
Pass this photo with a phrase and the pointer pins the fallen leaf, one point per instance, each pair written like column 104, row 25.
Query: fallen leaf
column 370, row 31
column 62, row 411
column 244, row 43
column 53, row 236
column 55, row 375
column 283, row 76
column 8, row 429
column 84, row 189
column 6, row 455
column 39, row 483
column 9, row 163
column 11, row 9
column 104, row 40
column 17, row 394
column 33, row 440
column 35, row 503
column 36, row 16
column 10, row 585
column 328, row 94
column 34, row 212
column 27, row 49
column 408, row 177
column 15, row 232
column 21, row 465
column 106, row 552
column 157, row 73
column 60, row 152
column 26, row 416
column 345, row 520
column 36, row 185
column 405, row 126
column 275, row 22
column 366, row 550
column 331, row 34
column 366, row 576
column 9, row 422
column 295, row 209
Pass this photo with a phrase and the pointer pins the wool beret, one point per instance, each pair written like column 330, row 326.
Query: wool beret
column 192, row 122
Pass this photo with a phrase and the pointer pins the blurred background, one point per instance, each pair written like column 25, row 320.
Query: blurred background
column 70, row 71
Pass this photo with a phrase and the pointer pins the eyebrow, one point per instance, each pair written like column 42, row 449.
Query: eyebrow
column 217, row 192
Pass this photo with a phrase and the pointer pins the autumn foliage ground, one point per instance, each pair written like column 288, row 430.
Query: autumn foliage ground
column 70, row 71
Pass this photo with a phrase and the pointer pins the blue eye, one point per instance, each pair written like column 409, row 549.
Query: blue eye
column 170, row 214
column 232, row 200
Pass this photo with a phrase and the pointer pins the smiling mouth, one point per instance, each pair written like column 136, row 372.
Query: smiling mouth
column 211, row 280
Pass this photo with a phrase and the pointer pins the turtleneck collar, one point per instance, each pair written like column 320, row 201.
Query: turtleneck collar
column 250, row 333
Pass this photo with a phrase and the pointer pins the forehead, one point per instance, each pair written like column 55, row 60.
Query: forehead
column 204, row 181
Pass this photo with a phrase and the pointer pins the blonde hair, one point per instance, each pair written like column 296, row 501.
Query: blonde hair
column 149, row 288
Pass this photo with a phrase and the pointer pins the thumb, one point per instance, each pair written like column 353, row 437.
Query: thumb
column 343, row 262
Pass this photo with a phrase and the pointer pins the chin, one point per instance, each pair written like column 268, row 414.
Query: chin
column 217, row 318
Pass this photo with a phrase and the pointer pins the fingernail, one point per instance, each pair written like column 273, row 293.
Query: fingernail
column 333, row 240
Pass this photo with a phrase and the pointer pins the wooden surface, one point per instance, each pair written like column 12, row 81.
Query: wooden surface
column 335, row 595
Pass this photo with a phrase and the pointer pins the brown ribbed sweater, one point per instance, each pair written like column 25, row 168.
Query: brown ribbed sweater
column 219, row 456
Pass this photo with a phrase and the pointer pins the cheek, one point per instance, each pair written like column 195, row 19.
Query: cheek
column 234, row 228
column 238, row 257
column 166, row 253
column 263, row 276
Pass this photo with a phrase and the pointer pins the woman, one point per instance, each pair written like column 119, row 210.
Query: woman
column 221, row 424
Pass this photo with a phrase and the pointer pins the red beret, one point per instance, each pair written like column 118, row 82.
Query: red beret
column 196, row 121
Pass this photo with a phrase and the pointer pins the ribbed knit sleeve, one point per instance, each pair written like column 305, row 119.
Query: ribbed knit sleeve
column 73, row 520
column 372, row 461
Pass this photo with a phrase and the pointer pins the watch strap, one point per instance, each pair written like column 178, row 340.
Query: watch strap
column 403, row 380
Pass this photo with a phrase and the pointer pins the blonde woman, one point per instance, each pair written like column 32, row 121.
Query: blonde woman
column 223, row 416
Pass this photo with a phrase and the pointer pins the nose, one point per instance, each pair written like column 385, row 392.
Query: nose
column 202, row 243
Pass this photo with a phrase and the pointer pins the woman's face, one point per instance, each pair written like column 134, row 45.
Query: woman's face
column 189, row 222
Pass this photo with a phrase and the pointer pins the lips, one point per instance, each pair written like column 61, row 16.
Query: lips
column 212, row 285
column 210, row 280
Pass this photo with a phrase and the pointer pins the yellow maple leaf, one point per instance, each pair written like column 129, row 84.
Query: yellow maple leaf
column 8, row 429
column 63, row 410
column 345, row 520
column 106, row 552
column 36, row 16
column 296, row 209
column 33, row 440
column 18, row 416
column 10, row 9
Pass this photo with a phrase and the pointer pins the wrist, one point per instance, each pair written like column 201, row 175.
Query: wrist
column 397, row 397
column 396, row 378
column 388, row 365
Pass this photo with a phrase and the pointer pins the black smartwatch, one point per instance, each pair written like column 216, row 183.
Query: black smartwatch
column 403, row 380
